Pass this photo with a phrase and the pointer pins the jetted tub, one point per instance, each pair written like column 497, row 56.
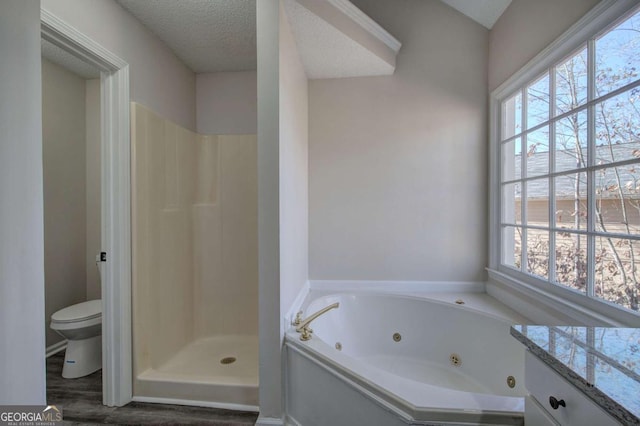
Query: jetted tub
column 384, row 359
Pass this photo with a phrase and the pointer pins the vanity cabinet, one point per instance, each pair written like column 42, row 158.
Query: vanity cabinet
column 536, row 415
column 573, row 408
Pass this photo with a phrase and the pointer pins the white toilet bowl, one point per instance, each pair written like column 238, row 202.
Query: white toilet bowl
column 81, row 325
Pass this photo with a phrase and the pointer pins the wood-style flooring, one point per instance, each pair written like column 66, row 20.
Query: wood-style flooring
column 81, row 403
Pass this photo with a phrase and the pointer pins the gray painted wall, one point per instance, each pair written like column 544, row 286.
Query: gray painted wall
column 526, row 28
column 227, row 103
column 267, row 29
column 94, row 190
column 159, row 79
column 294, row 173
column 22, row 353
column 65, row 218
column 397, row 164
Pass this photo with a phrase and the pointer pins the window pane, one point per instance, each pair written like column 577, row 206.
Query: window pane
column 618, row 128
column 511, row 160
column 620, row 344
column 571, row 83
column 512, row 116
column 511, row 202
column 571, row 260
column 538, row 102
column 511, row 246
column 538, row 152
column 618, row 199
column 616, row 271
column 571, row 142
column 538, row 202
column 571, row 354
column 612, row 380
column 577, row 333
column 538, row 252
column 618, row 56
column 571, row 201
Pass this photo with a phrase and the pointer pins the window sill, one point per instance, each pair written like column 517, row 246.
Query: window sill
column 545, row 298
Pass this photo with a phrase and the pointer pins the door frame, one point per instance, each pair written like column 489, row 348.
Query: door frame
column 117, row 377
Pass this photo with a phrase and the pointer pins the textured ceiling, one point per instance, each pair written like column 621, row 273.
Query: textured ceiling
column 326, row 52
column 68, row 61
column 485, row 12
column 207, row 35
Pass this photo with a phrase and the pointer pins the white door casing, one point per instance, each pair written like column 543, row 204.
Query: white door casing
column 116, row 204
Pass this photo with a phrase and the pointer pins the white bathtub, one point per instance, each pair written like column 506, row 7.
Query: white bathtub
column 412, row 380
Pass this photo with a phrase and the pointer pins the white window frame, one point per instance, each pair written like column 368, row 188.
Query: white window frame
column 589, row 310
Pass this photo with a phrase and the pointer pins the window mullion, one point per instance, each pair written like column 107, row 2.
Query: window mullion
column 552, row 169
column 591, row 358
column 523, row 190
column 591, row 155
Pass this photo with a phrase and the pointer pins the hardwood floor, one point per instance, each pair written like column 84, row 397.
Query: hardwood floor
column 81, row 402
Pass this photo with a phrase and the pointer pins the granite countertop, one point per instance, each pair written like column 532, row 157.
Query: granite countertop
column 602, row 362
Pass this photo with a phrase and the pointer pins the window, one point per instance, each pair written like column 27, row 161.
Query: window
column 568, row 190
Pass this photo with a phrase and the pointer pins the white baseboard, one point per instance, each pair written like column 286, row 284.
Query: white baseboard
column 56, row 347
column 270, row 421
column 398, row 286
column 207, row 404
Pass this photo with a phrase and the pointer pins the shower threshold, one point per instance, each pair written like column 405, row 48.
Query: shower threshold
column 216, row 371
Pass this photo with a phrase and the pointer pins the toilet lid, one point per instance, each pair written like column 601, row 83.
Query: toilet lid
column 80, row 312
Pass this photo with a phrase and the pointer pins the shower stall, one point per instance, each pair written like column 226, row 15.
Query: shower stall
column 195, row 265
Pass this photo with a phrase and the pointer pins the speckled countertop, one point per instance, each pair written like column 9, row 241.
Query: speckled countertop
column 603, row 362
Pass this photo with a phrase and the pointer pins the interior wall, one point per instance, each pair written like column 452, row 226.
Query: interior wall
column 63, row 163
column 517, row 37
column 227, row 103
column 195, row 257
column 397, row 164
column 294, row 170
column 158, row 78
column 283, row 192
column 270, row 339
column 22, row 353
column 93, row 186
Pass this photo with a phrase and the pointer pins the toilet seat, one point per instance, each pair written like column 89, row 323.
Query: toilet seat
column 84, row 311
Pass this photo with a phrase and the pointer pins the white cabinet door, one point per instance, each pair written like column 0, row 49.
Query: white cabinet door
column 542, row 383
column 535, row 415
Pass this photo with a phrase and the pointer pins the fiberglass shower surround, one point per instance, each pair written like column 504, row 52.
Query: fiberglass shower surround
column 195, row 264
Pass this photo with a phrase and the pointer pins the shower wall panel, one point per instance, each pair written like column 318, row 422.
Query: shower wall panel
column 195, row 255
column 239, row 200
column 207, row 236
column 164, row 176
column 225, row 234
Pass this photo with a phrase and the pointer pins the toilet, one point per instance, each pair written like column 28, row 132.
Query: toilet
column 81, row 325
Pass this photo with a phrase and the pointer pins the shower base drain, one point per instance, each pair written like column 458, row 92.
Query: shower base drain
column 228, row 360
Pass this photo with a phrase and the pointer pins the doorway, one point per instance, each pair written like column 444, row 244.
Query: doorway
column 115, row 186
